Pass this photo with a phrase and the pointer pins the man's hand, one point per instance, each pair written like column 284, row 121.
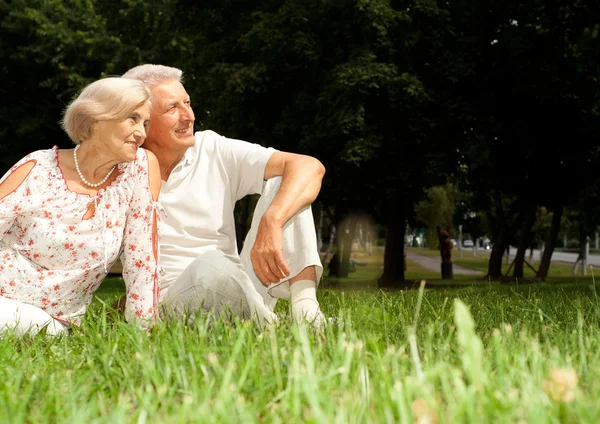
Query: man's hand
column 301, row 178
column 267, row 253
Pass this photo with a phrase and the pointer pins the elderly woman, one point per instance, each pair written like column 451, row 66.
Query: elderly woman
column 67, row 214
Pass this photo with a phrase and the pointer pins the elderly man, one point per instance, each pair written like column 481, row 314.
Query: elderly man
column 204, row 174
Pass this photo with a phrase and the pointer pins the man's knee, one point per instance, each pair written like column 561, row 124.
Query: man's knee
column 215, row 296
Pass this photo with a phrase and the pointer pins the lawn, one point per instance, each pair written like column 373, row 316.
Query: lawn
column 367, row 275
column 479, row 353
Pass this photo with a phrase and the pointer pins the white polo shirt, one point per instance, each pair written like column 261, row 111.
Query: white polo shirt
column 199, row 199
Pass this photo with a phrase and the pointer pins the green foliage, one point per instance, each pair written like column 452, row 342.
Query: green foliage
column 436, row 210
column 532, row 80
column 393, row 97
column 330, row 79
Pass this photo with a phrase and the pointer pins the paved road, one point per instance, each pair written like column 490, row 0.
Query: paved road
column 434, row 264
column 557, row 256
column 565, row 257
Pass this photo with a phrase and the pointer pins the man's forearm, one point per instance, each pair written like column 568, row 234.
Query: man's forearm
column 300, row 186
column 301, row 178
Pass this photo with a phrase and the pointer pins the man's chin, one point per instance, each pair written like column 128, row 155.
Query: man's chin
column 187, row 139
column 190, row 139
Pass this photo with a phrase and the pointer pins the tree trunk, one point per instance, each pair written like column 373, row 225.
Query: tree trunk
column 337, row 235
column 525, row 241
column 345, row 237
column 331, row 240
column 542, row 272
column 583, row 248
column 393, row 257
column 498, row 231
column 498, row 250
column 505, row 234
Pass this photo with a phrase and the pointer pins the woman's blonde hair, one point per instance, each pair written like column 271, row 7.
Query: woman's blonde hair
column 110, row 98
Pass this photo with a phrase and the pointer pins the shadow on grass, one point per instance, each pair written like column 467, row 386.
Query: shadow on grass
column 111, row 289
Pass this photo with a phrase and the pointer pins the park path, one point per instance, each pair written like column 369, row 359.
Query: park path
column 433, row 264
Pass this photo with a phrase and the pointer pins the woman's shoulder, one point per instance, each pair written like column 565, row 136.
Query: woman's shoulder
column 150, row 157
column 154, row 177
column 45, row 158
column 145, row 165
column 152, row 169
column 35, row 166
column 142, row 161
column 145, row 160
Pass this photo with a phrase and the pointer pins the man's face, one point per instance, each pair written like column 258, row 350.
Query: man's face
column 172, row 122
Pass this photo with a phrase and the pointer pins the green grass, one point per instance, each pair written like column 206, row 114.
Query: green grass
column 367, row 275
column 480, row 353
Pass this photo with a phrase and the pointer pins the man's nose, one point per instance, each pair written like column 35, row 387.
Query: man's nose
column 186, row 114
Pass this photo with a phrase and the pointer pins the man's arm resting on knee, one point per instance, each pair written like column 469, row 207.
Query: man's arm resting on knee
column 301, row 178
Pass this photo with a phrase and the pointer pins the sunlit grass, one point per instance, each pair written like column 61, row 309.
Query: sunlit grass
column 480, row 353
column 366, row 276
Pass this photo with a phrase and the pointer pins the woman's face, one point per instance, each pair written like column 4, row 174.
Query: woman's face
column 122, row 138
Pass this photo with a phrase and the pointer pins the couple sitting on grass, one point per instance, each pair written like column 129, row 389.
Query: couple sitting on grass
column 167, row 210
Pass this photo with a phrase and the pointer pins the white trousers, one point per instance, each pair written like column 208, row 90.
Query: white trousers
column 227, row 285
column 23, row 318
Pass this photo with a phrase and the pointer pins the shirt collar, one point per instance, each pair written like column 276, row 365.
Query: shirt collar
column 189, row 156
column 182, row 168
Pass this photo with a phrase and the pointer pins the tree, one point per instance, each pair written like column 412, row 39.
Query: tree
column 437, row 210
column 530, row 78
column 351, row 97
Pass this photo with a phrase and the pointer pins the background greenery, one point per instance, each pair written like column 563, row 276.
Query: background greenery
column 494, row 104
column 425, row 113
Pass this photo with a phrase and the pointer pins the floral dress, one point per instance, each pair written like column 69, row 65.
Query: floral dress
column 56, row 246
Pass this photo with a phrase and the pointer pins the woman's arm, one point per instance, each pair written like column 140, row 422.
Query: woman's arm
column 140, row 246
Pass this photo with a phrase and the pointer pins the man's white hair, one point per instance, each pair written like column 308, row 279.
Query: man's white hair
column 152, row 75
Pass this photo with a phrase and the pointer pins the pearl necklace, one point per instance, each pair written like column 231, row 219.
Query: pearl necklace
column 81, row 175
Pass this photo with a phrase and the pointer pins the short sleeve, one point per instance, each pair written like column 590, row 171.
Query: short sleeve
column 24, row 197
column 245, row 163
column 140, row 250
